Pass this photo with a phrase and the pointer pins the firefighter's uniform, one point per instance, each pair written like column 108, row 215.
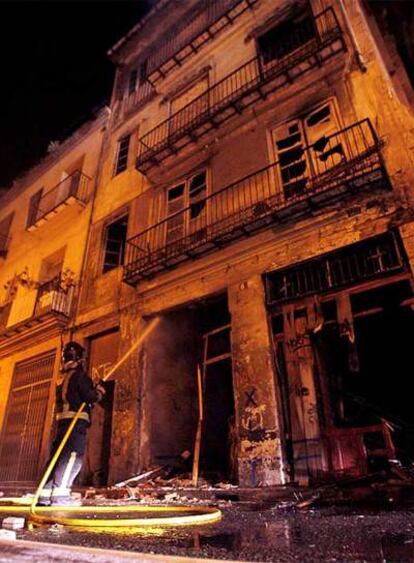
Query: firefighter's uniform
column 75, row 388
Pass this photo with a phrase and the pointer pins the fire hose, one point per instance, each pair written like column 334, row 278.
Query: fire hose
column 186, row 515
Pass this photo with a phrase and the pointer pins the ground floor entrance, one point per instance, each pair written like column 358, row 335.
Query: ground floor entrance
column 342, row 362
column 188, row 364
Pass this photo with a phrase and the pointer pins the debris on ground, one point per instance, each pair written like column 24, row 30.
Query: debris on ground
column 13, row 523
column 7, row 534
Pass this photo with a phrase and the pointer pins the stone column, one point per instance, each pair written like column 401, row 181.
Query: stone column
column 260, row 452
column 125, row 440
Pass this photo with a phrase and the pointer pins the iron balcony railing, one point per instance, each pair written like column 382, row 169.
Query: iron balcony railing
column 346, row 161
column 191, row 33
column 76, row 186
column 52, row 297
column 243, row 87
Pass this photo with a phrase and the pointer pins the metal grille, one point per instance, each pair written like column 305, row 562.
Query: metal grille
column 354, row 263
column 25, row 417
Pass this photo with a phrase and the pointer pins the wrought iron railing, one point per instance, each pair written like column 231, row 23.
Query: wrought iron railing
column 352, row 264
column 345, row 161
column 192, row 32
column 77, row 186
column 53, row 297
column 236, row 91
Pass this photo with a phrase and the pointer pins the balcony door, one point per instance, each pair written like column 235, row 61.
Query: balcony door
column 182, row 118
column 187, row 209
column 307, row 147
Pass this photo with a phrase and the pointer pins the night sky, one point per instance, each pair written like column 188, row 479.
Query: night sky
column 54, row 70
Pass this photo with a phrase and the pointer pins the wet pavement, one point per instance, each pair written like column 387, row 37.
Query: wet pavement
column 251, row 533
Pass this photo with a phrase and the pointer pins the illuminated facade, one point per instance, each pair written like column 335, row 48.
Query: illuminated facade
column 44, row 222
column 255, row 193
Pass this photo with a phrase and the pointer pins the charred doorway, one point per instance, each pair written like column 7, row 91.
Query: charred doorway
column 197, row 335
column 342, row 326
column 366, row 366
column 103, row 353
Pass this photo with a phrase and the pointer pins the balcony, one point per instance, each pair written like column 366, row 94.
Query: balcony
column 247, row 85
column 345, row 162
column 73, row 189
column 191, row 33
column 52, row 298
column 50, row 313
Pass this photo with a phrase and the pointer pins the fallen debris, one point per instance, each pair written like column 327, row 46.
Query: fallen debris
column 13, row 523
column 142, row 477
column 7, row 534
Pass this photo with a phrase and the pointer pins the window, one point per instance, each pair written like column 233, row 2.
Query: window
column 137, row 77
column 122, row 154
column 186, row 207
column 34, row 207
column 285, row 38
column 5, row 225
column 115, row 240
column 132, row 84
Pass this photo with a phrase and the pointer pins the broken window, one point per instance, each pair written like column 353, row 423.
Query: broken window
column 286, row 37
column 115, row 242
column 307, row 147
column 186, row 207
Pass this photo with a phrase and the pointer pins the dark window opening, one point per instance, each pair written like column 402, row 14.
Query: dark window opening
column 115, row 240
column 122, row 156
column 132, row 81
column 286, row 38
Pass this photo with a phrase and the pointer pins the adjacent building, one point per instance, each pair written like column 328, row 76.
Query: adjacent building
column 44, row 219
column 255, row 192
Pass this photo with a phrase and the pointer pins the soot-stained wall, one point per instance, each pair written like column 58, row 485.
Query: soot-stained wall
column 171, row 386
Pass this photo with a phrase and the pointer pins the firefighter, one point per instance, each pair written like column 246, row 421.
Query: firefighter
column 75, row 388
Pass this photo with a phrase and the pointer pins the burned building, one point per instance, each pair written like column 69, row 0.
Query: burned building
column 255, row 193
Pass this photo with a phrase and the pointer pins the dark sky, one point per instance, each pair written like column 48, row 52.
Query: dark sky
column 54, row 70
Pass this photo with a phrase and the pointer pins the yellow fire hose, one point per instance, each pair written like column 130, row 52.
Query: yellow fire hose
column 36, row 514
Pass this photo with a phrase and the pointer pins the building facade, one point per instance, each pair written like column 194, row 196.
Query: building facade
column 255, row 194
column 44, row 221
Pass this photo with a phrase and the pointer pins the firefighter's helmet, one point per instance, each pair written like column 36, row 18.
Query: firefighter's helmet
column 72, row 352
